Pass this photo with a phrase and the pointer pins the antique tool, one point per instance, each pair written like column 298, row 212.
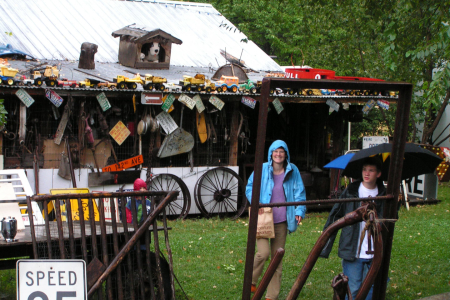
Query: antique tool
column 212, row 130
column 177, row 142
column 201, row 127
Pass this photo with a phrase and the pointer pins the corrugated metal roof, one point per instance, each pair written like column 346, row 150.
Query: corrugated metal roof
column 56, row 29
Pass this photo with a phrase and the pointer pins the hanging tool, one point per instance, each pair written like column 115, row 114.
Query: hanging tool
column 201, row 127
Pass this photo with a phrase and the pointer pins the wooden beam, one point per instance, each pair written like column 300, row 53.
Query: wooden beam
column 234, row 136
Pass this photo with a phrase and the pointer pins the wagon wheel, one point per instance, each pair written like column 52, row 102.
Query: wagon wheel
column 221, row 191
column 178, row 208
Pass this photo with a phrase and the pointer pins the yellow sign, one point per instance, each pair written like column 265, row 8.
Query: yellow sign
column 74, row 204
column 125, row 164
column 119, row 132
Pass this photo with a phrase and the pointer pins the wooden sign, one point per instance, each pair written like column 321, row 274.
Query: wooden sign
column 125, row 164
column 166, row 122
column 53, row 97
column 199, row 103
column 186, row 100
column 103, row 101
column 216, row 102
column 24, row 97
column 249, row 101
column 168, row 101
column 119, row 132
column 152, row 98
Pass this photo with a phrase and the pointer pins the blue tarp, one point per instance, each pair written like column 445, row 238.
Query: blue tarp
column 8, row 50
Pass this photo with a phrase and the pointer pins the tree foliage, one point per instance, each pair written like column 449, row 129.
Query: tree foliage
column 401, row 40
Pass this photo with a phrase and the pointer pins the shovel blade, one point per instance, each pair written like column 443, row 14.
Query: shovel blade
column 179, row 141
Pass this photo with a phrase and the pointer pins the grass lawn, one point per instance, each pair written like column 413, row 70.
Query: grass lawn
column 209, row 256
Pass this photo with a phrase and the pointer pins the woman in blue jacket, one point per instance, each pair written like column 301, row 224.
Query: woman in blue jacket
column 280, row 182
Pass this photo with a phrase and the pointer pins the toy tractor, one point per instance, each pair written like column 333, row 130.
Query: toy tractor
column 248, row 87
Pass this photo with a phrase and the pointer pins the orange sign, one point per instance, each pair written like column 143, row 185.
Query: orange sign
column 125, row 164
column 119, row 132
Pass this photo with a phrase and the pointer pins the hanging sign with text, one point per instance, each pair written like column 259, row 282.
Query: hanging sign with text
column 166, row 122
column 24, row 97
column 125, row 164
column 103, row 101
column 53, row 97
column 119, row 132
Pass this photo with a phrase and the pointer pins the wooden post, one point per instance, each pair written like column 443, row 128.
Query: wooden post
column 87, row 54
column 234, row 135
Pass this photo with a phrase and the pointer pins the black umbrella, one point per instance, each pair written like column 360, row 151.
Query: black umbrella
column 417, row 161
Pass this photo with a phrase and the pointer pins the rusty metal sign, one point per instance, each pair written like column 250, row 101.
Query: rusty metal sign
column 199, row 103
column 24, row 97
column 168, row 101
column 214, row 100
column 188, row 101
column 53, row 97
column 166, row 122
column 103, row 101
column 278, row 106
column 125, row 164
column 119, row 132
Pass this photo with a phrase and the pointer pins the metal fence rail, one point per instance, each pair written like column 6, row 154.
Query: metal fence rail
column 120, row 262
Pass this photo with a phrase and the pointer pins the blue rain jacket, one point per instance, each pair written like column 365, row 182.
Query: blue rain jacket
column 294, row 189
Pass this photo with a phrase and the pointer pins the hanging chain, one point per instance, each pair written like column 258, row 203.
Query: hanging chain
column 150, row 158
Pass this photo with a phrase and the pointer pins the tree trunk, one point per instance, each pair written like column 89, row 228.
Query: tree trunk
column 87, row 54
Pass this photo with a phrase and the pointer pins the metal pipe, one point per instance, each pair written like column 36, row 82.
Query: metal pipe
column 259, row 159
column 394, row 178
column 274, row 263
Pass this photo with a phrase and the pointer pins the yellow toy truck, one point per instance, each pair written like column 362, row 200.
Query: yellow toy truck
column 125, row 82
column 151, row 82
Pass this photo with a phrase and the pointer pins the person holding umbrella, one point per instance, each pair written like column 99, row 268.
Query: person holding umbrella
column 355, row 261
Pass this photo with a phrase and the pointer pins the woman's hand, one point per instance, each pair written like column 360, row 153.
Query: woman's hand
column 299, row 219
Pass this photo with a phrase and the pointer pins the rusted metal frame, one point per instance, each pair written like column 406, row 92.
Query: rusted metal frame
column 98, row 195
column 94, row 237
column 147, row 252
column 390, row 209
column 341, row 288
column 32, row 231
column 274, row 262
column 112, row 206
column 383, row 198
column 62, row 253
column 260, row 141
column 349, row 219
column 83, row 229
column 138, row 245
column 47, row 231
column 157, row 257
column 70, row 225
column 104, row 243
column 262, row 122
column 127, row 238
column 169, row 251
column 131, row 243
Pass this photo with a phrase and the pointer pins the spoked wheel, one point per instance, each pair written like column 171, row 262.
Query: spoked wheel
column 178, row 208
column 220, row 191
